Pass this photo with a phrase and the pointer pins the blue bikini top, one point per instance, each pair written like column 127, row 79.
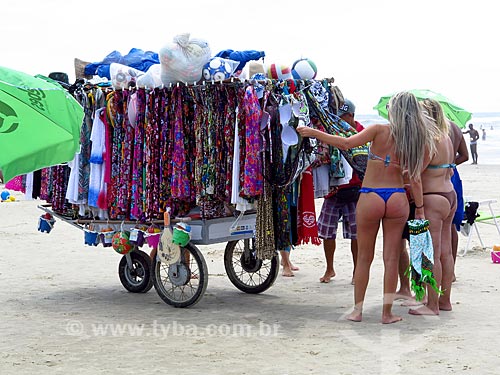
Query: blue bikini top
column 386, row 161
column 449, row 165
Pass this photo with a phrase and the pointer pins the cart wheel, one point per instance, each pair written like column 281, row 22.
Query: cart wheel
column 246, row 272
column 181, row 284
column 138, row 278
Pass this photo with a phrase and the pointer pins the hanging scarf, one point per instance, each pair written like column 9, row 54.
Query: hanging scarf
column 117, row 136
column 306, row 222
column 138, row 167
column 179, row 179
column 252, row 168
column 264, row 225
column 16, row 184
column 421, row 258
column 158, row 143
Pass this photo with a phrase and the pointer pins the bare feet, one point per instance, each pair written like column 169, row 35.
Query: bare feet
column 423, row 310
column 355, row 316
column 391, row 319
column 403, row 294
column 411, row 302
column 292, row 267
column 287, row 271
column 445, row 306
column 327, row 277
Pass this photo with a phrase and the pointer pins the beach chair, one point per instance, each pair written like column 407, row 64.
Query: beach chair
column 474, row 216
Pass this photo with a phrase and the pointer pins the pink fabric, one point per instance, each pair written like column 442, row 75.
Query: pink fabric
column 16, row 184
column 252, row 169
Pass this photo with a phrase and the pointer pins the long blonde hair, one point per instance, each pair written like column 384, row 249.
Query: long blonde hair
column 413, row 134
column 435, row 111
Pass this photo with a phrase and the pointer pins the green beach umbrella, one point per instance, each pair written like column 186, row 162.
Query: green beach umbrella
column 455, row 113
column 39, row 123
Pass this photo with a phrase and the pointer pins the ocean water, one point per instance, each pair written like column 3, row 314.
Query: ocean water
column 488, row 150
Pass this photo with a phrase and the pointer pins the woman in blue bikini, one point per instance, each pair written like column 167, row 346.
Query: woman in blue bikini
column 394, row 147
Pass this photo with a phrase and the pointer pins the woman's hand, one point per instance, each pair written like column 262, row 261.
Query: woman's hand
column 306, row 131
column 419, row 213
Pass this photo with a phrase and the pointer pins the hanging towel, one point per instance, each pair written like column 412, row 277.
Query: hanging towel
column 306, row 219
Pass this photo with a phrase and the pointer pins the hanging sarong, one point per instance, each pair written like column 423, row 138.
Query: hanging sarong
column 421, row 258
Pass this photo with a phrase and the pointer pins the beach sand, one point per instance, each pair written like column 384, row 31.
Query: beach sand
column 64, row 311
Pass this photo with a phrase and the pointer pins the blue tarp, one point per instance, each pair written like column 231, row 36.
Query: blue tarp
column 136, row 58
column 242, row 56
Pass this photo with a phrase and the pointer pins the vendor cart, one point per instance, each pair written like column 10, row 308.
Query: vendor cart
column 183, row 283
column 204, row 148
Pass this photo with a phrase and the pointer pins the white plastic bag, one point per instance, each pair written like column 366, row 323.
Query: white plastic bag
column 152, row 78
column 183, row 60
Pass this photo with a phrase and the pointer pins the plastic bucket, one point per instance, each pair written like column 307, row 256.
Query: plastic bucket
column 495, row 256
column 45, row 225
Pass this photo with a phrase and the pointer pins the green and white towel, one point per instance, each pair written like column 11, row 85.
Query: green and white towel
column 421, row 258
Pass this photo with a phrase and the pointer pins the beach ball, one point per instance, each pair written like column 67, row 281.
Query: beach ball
column 282, row 72
column 121, row 243
column 304, row 69
column 5, row 195
column 217, row 69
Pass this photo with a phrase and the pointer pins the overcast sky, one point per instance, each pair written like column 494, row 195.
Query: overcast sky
column 370, row 47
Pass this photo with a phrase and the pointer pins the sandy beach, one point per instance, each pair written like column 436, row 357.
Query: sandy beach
column 64, row 311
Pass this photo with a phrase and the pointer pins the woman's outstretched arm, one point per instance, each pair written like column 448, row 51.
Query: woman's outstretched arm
column 361, row 138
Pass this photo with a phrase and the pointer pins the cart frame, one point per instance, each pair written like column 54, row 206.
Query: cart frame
column 183, row 284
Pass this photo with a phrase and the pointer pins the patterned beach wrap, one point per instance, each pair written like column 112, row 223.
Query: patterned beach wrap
column 317, row 97
column 421, row 258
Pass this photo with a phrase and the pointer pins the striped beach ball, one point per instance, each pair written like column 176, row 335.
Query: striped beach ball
column 304, row 69
column 282, row 72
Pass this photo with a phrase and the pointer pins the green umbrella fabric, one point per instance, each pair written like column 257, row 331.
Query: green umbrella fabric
column 455, row 113
column 39, row 123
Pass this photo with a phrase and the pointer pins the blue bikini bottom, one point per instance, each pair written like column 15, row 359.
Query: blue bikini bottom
column 384, row 193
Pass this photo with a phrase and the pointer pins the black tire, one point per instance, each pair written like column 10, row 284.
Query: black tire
column 138, row 279
column 246, row 272
column 176, row 284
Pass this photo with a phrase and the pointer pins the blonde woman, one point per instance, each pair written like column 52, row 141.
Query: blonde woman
column 397, row 146
column 440, row 201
